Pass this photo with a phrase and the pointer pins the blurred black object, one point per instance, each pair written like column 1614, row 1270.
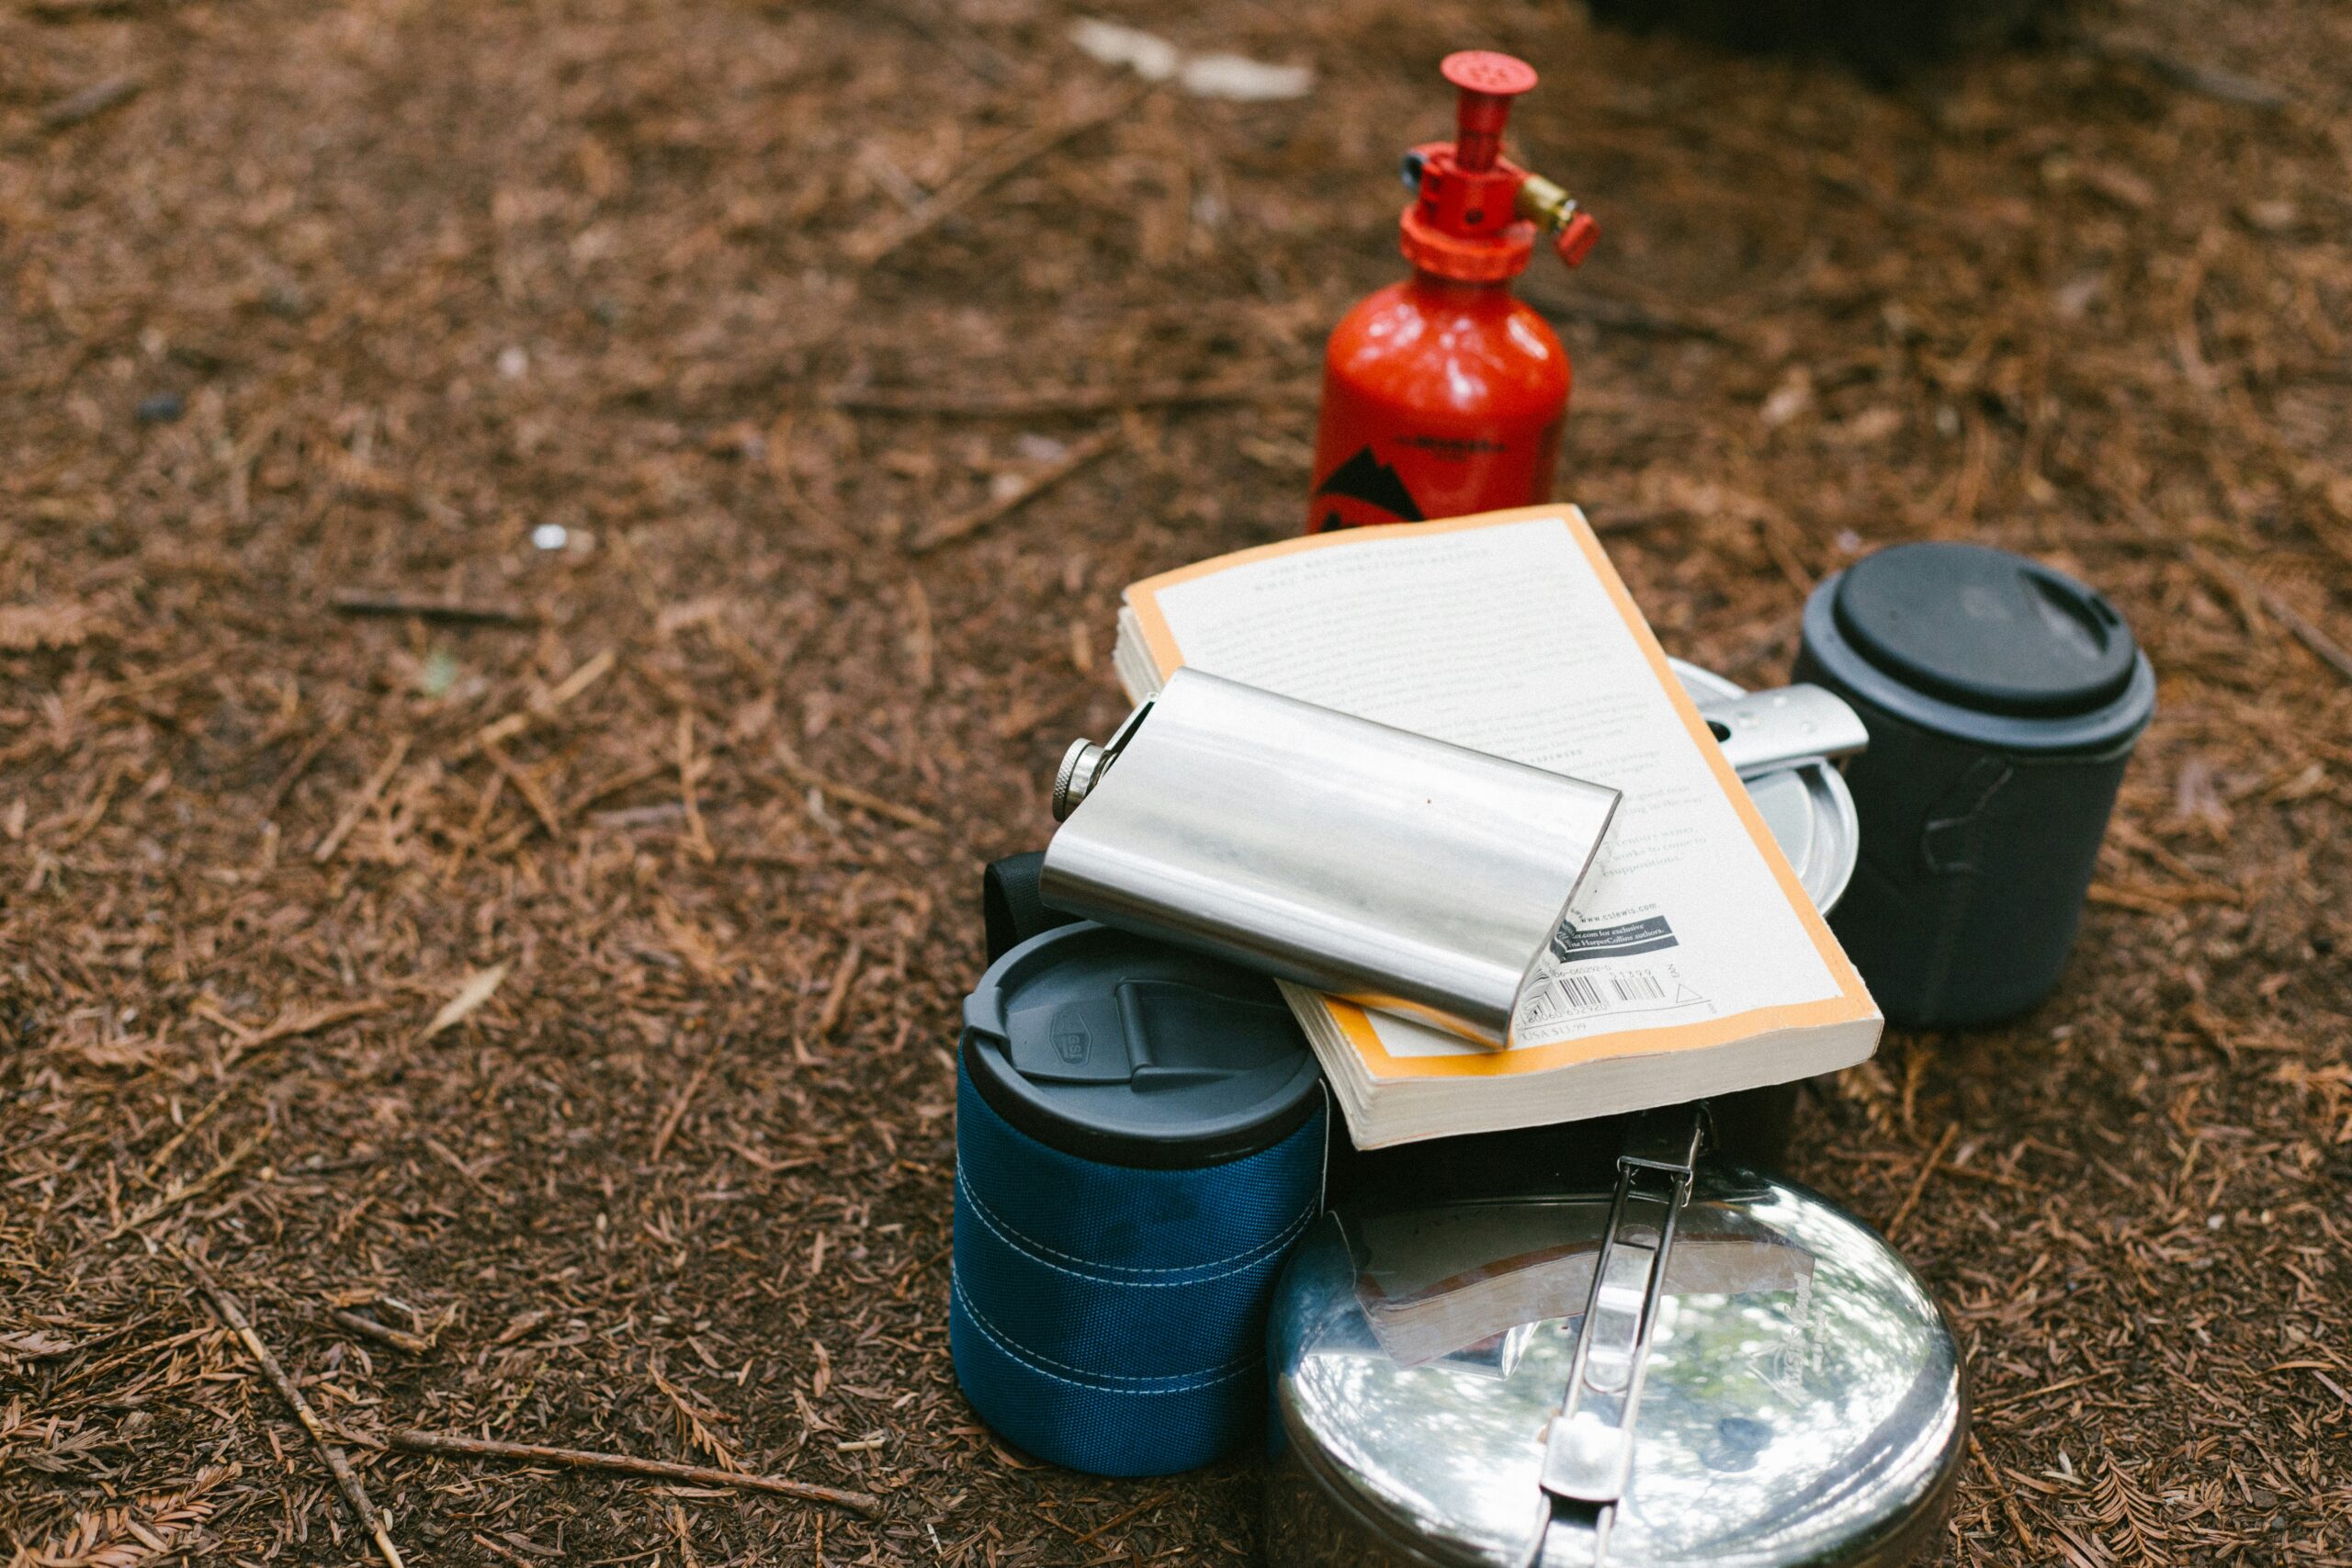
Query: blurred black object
column 1879, row 37
column 1750, row 1129
column 1009, row 909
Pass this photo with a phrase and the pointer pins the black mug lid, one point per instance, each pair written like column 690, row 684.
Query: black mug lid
column 1985, row 629
column 1123, row 1050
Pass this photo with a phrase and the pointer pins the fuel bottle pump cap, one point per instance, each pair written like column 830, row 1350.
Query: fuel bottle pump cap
column 1488, row 73
column 1488, row 82
column 1476, row 215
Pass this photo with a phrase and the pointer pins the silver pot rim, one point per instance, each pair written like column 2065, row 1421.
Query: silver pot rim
column 1808, row 807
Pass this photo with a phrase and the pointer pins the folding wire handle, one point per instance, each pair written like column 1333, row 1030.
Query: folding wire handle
column 1588, row 1448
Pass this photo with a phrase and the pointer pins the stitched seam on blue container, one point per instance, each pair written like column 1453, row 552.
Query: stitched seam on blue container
column 1171, row 1380
column 1041, row 1365
column 1022, row 1241
column 1039, row 1252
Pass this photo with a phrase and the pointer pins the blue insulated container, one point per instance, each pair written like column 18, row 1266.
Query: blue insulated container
column 1139, row 1138
column 2003, row 700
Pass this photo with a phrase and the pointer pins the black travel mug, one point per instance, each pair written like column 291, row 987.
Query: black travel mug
column 2003, row 700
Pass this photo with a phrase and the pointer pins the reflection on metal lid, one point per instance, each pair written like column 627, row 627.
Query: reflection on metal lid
column 1803, row 1403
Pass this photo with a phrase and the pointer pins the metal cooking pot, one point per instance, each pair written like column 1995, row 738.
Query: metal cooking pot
column 1703, row 1367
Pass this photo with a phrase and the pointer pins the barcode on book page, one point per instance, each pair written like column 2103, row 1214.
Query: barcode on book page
column 1598, row 990
column 1582, row 994
column 1637, row 986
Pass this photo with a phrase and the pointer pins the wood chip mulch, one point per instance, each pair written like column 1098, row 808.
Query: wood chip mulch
column 541, row 547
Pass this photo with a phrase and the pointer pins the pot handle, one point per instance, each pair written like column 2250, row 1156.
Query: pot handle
column 1763, row 731
column 1588, row 1448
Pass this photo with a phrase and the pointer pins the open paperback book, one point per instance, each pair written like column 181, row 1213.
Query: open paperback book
column 1691, row 962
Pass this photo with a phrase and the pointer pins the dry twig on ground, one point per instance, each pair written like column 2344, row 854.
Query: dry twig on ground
column 445, row 1445
column 345, row 1479
column 1081, row 452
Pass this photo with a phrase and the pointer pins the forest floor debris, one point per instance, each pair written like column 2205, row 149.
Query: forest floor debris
column 675, row 331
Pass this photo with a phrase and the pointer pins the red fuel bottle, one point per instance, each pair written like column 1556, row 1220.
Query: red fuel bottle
column 1443, row 395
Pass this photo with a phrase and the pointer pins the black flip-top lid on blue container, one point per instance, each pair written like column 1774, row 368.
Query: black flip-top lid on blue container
column 1116, row 1048
column 1984, row 644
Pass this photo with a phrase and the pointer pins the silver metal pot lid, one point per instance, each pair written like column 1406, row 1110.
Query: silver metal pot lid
column 1807, row 806
column 1801, row 1399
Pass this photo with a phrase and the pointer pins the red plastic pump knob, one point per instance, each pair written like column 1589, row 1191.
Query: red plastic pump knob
column 1488, row 82
column 1576, row 239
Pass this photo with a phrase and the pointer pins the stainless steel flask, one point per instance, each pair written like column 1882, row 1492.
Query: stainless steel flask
column 1382, row 866
column 1393, row 870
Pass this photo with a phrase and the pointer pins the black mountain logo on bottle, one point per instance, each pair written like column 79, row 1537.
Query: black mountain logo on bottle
column 1366, row 479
